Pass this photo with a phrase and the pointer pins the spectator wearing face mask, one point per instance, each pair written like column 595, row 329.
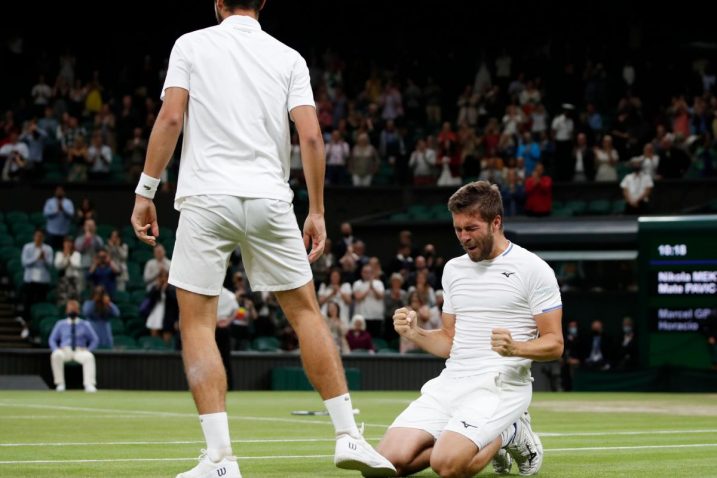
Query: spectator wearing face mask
column 571, row 356
column 628, row 356
column 73, row 339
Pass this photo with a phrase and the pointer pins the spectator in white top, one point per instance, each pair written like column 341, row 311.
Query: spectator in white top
column 368, row 300
column 563, row 127
column 650, row 160
column 154, row 266
column 530, row 94
column 333, row 291
column 364, row 161
column 68, row 263
column 391, row 102
column 337, row 155
column 539, row 120
column 606, row 158
column 636, row 188
column 422, row 163
column 41, row 94
column 16, row 154
column 99, row 157
column 88, row 244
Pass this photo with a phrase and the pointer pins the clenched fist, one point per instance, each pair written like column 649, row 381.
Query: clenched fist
column 502, row 342
column 404, row 321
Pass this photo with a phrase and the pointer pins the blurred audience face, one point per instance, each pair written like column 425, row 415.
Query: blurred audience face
column 159, row 252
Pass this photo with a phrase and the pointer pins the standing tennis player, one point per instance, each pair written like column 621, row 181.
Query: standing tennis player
column 233, row 88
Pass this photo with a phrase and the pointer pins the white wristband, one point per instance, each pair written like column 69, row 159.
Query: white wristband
column 147, row 186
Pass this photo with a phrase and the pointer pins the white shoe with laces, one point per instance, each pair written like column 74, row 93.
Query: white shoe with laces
column 502, row 462
column 526, row 448
column 227, row 467
column 355, row 453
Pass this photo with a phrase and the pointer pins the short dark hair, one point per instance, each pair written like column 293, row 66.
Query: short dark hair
column 479, row 197
column 244, row 4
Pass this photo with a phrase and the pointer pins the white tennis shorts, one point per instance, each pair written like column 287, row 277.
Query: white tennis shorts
column 479, row 407
column 211, row 227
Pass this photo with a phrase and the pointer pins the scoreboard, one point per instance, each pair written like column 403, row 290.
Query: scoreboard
column 678, row 282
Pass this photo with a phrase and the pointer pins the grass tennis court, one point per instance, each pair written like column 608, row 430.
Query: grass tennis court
column 156, row 434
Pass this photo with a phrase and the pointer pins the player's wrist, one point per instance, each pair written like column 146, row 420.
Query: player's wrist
column 147, row 186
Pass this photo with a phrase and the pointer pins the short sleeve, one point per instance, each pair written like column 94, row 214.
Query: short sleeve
column 624, row 183
column 300, row 93
column 544, row 293
column 445, row 283
column 179, row 68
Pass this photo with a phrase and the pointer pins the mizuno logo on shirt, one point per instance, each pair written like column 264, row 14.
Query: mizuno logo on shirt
column 466, row 425
column 507, row 274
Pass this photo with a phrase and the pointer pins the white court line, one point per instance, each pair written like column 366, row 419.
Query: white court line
column 172, row 414
column 296, row 457
column 317, row 440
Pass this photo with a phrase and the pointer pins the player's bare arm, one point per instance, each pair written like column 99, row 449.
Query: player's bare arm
column 548, row 346
column 313, row 160
column 437, row 342
column 162, row 143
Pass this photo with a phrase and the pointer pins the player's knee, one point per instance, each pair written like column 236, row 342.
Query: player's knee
column 449, row 467
column 400, row 460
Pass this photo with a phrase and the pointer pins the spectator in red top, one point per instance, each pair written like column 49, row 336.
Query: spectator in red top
column 538, row 193
column 358, row 337
column 447, row 134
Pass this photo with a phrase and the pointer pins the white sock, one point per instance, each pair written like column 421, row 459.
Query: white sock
column 508, row 435
column 342, row 414
column 216, row 432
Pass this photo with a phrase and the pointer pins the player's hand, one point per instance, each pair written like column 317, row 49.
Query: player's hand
column 315, row 234
column 404, row 321
column 502, row 342
column 144, row 220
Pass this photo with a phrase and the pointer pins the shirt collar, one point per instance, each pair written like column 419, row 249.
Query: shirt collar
column 240, row 21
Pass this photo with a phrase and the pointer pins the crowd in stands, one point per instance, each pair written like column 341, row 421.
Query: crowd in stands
column 401, row 130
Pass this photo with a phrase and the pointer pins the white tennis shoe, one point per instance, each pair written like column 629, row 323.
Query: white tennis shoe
column 526, row 448
column 226, row 468
column 355, row 453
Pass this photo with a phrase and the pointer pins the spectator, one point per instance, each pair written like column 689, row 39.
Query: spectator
column 153, row 266
column 68, row 263
column 37, row 262
column 402, row 262
column 636, row 188
column 16, row 154
column 599, row 355
column 99, row 310
column 77, row 159
column 391, row 146
column 337, row 155
column 375, row 264
column 628, row 355
column 650, row 161
column 346, row 241
column 322, row 266
column 333, row 291
column 529, row 150
column 35, row 138
column 538, row 193
column 513, row 194
column 364, row 161
column 73, row 339
column 118, row 252
column 59, row 213
column 85, row 211
column 594, row 120
column 103, row 272
column 422, row 164
column 394, row 298
column 673, row 162
column 88, row 244
column 424, row 290
column 539, row 120
column 161, row 302
column 571, row 356
column 562, row 128
column 368, row 301
column 338, row 327
column 583, row 160
column 41, row 94
column 358, row 338
column 243, row 322
column 420, row 265
column 606, row 157
column 99, row 157
column 468, row 107
column 135, row 151
column 391, row 102
column 425, row 319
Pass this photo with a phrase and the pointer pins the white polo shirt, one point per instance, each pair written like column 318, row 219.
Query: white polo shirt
column 242, row 84
column 563, row 127
column 505, row 292
column 636, row 184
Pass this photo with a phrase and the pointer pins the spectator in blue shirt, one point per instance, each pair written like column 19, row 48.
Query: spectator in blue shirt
column 59, row 212
column 73, row 339
column 99, row 311
column 529, row 150
column 37, row 260
column 103, row 272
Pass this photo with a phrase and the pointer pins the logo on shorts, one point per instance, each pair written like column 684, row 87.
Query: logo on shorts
column 507, row 274
column 221, row 471
column 468, row 425
column 146, row 187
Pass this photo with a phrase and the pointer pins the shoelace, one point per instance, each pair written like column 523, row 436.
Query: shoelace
column 203, row 455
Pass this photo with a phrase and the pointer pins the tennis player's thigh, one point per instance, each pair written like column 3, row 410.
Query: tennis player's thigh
column 273, row 250
column 209, row 230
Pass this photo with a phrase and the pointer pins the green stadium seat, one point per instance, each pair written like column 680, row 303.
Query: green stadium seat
column 135, row 327
column 9, row 252
column 561, row 212
column 137, row 296
column 266, row 344
column 400, row 217
column 153, row 343
column 37, row 219
column 45, row 328
column 618, row 206
column 599, row 206
column 388, row 351
column 44, row 309
column 142, row 254
column 124, row 342
column 24, row 238
column 379, row 343
column 54, row 177
column 121, row 297
column 6, row 241
column 117, row 327
column 22, row 228
column 166, row 233
column 578, row 207
column 360, row 351
column 14, row 217
column 3, row 228
column 104, row 230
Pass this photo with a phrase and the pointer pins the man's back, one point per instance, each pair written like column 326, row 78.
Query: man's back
column 242, row 83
